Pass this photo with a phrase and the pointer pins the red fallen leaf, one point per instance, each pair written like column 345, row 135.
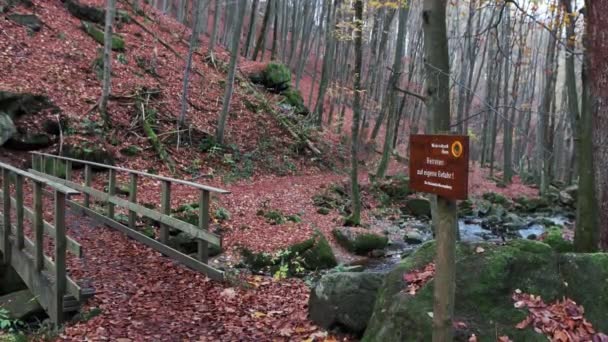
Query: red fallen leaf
column 459, row 325
column 418, row 278
column 600, row 338
column 524, row 324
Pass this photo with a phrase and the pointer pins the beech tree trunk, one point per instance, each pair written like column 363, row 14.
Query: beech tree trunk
column 234, row 54
column 107, row 62
column 355, row 217
column 438, row 105
column 597, row 49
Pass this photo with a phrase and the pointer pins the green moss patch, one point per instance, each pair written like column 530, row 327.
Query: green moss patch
column 485, row 283
column 97, row 34
column 357, row 242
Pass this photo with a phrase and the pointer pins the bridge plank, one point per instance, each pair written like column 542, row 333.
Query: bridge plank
column 38, row 178
column 156, row 245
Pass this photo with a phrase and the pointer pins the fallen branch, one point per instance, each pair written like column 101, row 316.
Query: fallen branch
column 158, row 146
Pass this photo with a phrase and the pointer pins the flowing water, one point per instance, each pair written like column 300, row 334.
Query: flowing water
column 471, row 230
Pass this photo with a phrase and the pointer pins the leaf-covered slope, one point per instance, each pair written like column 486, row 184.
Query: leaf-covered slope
column 60, row 60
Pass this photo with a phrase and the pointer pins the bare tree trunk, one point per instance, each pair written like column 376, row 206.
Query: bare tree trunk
column 234, row 54
column 216, row 25
column 392, row 97
column 252, row 27
column 597, row 48
column 355, row 217
column 438, row 104
column 107, row 62
column 261, row 43
column 193, row 47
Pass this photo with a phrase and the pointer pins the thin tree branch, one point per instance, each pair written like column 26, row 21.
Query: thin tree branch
column 407, row 92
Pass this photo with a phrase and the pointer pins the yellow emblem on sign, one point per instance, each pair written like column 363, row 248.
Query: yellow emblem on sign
column 457, row 149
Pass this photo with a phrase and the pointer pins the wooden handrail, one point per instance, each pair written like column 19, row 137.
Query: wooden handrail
column 140, row 173
column 45, row 181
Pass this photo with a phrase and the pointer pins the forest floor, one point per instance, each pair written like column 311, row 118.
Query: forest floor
column 143, row 295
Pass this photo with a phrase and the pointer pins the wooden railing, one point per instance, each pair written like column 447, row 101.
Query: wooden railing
column 45, row 277
column 40, row 164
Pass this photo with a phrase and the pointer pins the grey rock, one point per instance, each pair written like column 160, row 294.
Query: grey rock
column 344, row 299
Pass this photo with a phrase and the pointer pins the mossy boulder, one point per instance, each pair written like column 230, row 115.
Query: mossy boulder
column 344, row 299
column 130, row 151
column 28, row 20
column 21, row 305
column 293, row 97
column 418, row 207
column 88, row 153
column 275, row 77
column 97, row 34
column 395, row 188
column 29, row 142
column 187, row 244
column 554, row 238
column 312, row 254
column 496, row 198
column 93, row 14
column 485, row 283
column 358, row 242
column 7, row 128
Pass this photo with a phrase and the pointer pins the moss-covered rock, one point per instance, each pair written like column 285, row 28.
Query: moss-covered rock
column 277, row 76
column 418, row 207
column 131, row 151
column 187, row 244
column 312, row 254
column 495, row 198
column 395, row 188
column 97, row 34
column 484, row 285
column 88, row 153
column 28, row 20
column 29, row 142
column 344, row 299
column 554, row 238
column 359, row 242
column 93, row 14
column 293, row 97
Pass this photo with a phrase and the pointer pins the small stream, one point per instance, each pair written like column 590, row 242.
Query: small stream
column 471, row 230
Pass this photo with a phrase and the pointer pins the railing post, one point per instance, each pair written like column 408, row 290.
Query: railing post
column 19, row 210
column 43, row 164
column 55, row 167
column 132, row 199
column 88, row 175
column 111, row 192
column 203, row 223
column 38, row 227
column 60, row 248
column 35, row 162
column 6, row 222
column 68, row 170
column 165, row 207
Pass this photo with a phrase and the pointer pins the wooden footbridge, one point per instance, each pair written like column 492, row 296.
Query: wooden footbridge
column 37, row 249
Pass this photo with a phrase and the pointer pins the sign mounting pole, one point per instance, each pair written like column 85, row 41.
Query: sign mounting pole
column 439, row 164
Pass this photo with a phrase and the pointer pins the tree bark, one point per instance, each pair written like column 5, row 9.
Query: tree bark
column 252, row 28
column 597, row 49
column 107, row 62
column 355, row 217
column 438, row 104
column 234, row 54
column 192, row 48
